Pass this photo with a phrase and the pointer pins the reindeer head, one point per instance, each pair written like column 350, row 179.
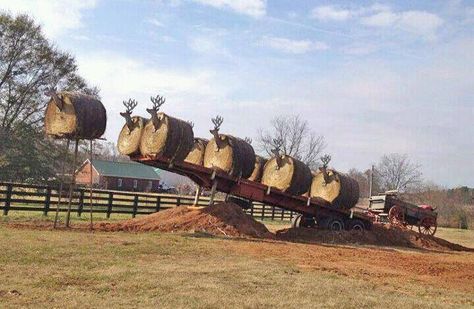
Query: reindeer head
column 52, row 92
column 215, row 132
column 278, row 142
column 129, row 106
column 157, row 102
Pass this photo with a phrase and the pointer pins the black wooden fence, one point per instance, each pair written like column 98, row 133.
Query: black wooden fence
column 36, row 198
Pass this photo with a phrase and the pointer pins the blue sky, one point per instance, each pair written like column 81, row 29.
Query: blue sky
column 372, row 77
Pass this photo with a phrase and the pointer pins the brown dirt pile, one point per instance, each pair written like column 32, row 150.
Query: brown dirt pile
column 380, row 235
column 221, row 219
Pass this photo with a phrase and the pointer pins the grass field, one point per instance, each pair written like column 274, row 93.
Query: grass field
column 47, row 269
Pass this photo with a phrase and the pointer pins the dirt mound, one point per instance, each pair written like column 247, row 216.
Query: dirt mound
column 380, row 235
column 221, row 219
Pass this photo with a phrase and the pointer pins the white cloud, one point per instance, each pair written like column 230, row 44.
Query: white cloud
column 57, row 17
column 421, row 23
column 155, row 22
column 254, row 8
column 359, row 49
column 293, row 46
column 381, row 19
column 330, row 13
column 207, row 45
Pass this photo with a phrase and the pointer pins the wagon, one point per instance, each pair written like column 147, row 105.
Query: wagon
column 388, row 208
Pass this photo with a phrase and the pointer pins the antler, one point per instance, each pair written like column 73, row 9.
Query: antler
column 52, row 92
column 248, row 140
column 157, row 102
column 278, row 142
column 217, row 122
column 325, row 160
column 191, row 123
column 130, row 105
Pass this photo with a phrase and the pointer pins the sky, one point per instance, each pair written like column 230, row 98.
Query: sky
column 372, row 77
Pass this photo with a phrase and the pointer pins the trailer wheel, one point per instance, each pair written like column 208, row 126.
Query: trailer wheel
column 335, row 225
column 302, row 221
column 396, row 216
column 356, row 225
column 427, row 226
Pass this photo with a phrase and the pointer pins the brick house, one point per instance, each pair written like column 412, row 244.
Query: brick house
column 124, row 176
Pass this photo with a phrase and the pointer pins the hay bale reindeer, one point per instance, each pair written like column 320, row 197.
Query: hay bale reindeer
column 129, row 138
column 228, row 153
column 196, row 155
column 74, row 115
column 336, row 188
column 258, row 167
column 286, row 173
column 166, row 136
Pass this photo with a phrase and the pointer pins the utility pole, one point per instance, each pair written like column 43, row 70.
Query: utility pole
column 371, row 180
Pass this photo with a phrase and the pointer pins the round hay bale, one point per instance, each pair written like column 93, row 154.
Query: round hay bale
column 196, row 155
column 80, row 117
column 235, row 156
column 338, row 189
column 293, row 176
column 129, row 140
column 173, row 138
column 258, row 169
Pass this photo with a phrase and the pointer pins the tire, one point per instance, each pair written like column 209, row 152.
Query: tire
column 356, row 225
column 302, row 221
column 335, row 224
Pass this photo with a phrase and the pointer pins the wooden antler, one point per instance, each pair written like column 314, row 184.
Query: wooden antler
column 157, row 102
column 278, row 142
column 215, row 132
column 52, row 92
column 325, row 160
column 129, row 106
column 248, row 140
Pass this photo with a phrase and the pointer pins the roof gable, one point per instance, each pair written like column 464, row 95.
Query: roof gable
column 125, row 169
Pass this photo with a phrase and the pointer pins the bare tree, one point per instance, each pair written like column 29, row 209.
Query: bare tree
column 362, row 179
column 396, row 172
column 298, row 140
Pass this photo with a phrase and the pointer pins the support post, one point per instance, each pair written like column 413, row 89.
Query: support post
column 8, row 198
column 109, row 205
column 158, row 203
column 80, row 208
column 197, row 196
column 135, row 206
column 72, row 185
column 90, row 186
column 61, row 182
column 213, row 193
column 47, row 201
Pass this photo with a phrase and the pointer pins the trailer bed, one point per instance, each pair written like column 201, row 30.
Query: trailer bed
column 253, row 191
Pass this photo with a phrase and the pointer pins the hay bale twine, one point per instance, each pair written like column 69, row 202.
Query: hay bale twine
column 129, row 140
column 196, row 155
column 258, row 169
column 172, row 138
column 235, row 156
column 338, row 189
column 292, row 176
column 81, row 116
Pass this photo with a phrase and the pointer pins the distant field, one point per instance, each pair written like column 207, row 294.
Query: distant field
column 80, row 269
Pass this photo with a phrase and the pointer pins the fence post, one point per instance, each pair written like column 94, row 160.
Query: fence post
column 8, row 199
column 47, row 201
column 273, row 213
column 282, row 214
column 135, row 206
column 291, row 215
column 158, row 202
column 263, row 211
column 251, row 209
column 80, row 207
column 109, row 206
column 178, row 201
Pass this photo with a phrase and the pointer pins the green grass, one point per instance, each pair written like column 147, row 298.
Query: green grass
column 122, row 270
column 462, row 237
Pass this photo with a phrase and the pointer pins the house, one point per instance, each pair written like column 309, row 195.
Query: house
column 124, row 176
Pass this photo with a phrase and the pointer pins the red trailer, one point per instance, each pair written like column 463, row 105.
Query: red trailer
column 312, row 211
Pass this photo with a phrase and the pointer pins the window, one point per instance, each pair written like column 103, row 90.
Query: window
column 135, row 183
column 119, row 182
